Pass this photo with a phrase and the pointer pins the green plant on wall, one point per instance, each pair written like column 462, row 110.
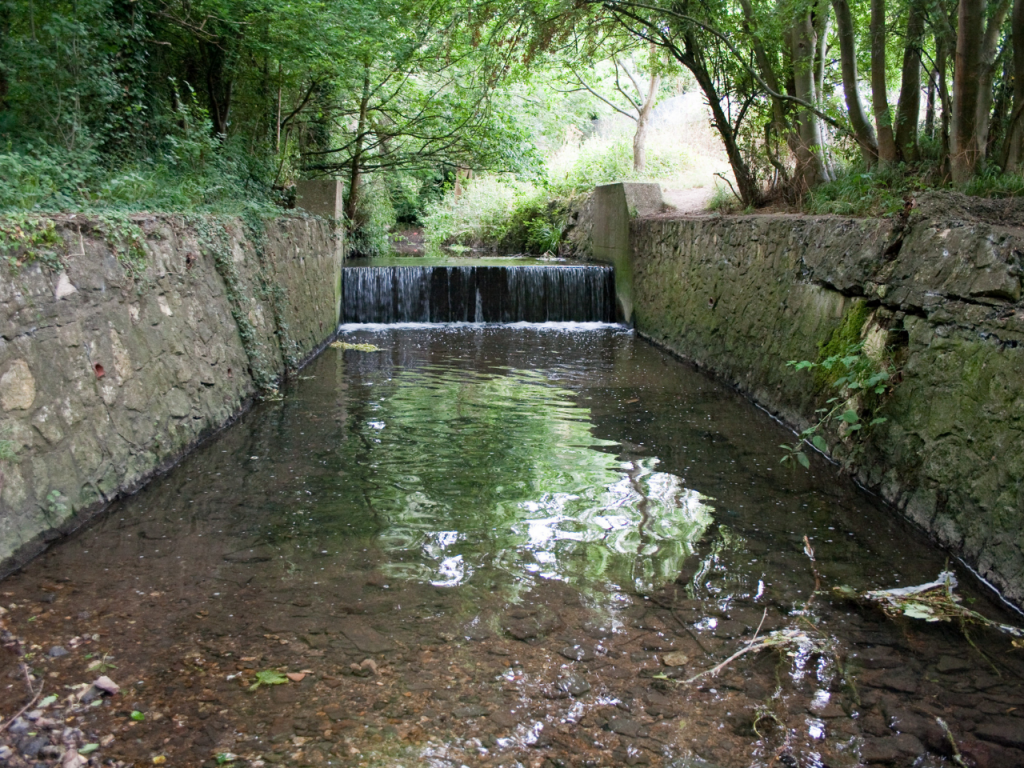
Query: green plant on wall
column 855, row 377
column 127, row 240
column 28, row 239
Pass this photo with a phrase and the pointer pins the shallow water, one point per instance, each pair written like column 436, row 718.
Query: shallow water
column 521, row 527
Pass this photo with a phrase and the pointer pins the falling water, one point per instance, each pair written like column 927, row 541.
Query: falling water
column 447, row 294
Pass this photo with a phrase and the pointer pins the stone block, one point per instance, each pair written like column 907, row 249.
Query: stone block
column 321, row 197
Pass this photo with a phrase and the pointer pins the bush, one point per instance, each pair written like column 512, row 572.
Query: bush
column 482, row 215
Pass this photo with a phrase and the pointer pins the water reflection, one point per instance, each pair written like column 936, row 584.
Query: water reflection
column 463, row 472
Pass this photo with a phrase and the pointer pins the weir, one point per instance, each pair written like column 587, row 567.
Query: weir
column 477, row 294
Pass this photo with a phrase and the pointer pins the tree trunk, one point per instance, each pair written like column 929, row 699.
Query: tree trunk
column 929, row 110
column 355, row 170
column 218, row 86
column 942, row 54
column 461, row 174
column 988, row 62
column 965, row 152
column 642, row 121
column 749, row 190
column 862, row 127
column 810, row 165
column 887, row 153
column 821, row 23
column 908, row 111
column 1015, row 130
column 767, row 71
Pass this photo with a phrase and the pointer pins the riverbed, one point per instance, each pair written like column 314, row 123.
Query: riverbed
column 503, row 545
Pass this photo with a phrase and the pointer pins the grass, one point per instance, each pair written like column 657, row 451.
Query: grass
column 883, row 191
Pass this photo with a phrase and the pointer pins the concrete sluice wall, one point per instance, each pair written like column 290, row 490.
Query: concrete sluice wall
column 115, row 364
column 937, row 292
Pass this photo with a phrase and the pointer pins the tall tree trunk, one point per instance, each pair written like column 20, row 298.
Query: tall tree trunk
column 764, row 66
column 862, row 127
column 965, row 151
column 821, row 23
column 810, row 165
column 218, row 85
column 941, row 62
column 988, row 61
column 749, row 190
column 908, row 111
column 642, row 123
column 1015, row 130
column 356, row 169
column 929, row 109
column 887, row 153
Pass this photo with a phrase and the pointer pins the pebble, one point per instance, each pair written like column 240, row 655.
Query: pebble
column 572, row 684
column 1008, row 731
column 57, row 651
column 624, row 726
column 5, row 752
column 106, row 685
column 889, row 749
column 578, row 652
column 949, row 664
column 469, row 710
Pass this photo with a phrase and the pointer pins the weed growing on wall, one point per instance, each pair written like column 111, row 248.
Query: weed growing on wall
column 256, row 232
column 127, row 240
column 26, row 239
column 212, row 235
column 851, row 374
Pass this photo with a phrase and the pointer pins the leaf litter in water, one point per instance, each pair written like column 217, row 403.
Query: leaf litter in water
column 934, row 601
column 356, row 347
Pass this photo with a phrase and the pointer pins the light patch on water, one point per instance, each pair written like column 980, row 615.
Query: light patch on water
column 548, row 326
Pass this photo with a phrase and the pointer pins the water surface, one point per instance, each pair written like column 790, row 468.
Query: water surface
column 536, row 534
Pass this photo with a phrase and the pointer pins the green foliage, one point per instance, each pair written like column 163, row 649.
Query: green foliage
column 856, row 192
column 842, row 339
column 857, row 380
column 127, row 240
column 482, row 215
column 377, row 218
column 268, row 677
column 55, row 504
column 28, row 239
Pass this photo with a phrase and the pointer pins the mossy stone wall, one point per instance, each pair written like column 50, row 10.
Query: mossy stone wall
column 742, row 295
column 109, row 374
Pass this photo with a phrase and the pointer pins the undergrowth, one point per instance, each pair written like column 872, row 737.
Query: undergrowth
column 885, row 191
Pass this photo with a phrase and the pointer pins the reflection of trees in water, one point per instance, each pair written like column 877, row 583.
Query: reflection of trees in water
column 457, row 472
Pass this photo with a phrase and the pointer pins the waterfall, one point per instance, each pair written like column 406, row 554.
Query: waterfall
column 533, row 294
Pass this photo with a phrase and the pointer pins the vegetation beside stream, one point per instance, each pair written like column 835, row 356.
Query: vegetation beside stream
column 469, row 117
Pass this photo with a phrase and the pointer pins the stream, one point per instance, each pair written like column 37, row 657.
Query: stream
column 503, row 545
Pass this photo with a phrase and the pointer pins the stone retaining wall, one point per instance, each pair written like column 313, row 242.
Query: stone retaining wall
column 939, row 291
column 111, row 371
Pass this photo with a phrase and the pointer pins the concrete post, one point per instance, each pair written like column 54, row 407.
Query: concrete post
column 614, row 206
column 325, row 197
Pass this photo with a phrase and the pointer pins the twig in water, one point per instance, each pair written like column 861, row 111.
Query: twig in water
column 33, row 700
column 957, row 757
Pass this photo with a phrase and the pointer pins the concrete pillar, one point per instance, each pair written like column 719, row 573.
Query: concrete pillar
column 325, row 197
column 321, row 197
column 614, row 206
